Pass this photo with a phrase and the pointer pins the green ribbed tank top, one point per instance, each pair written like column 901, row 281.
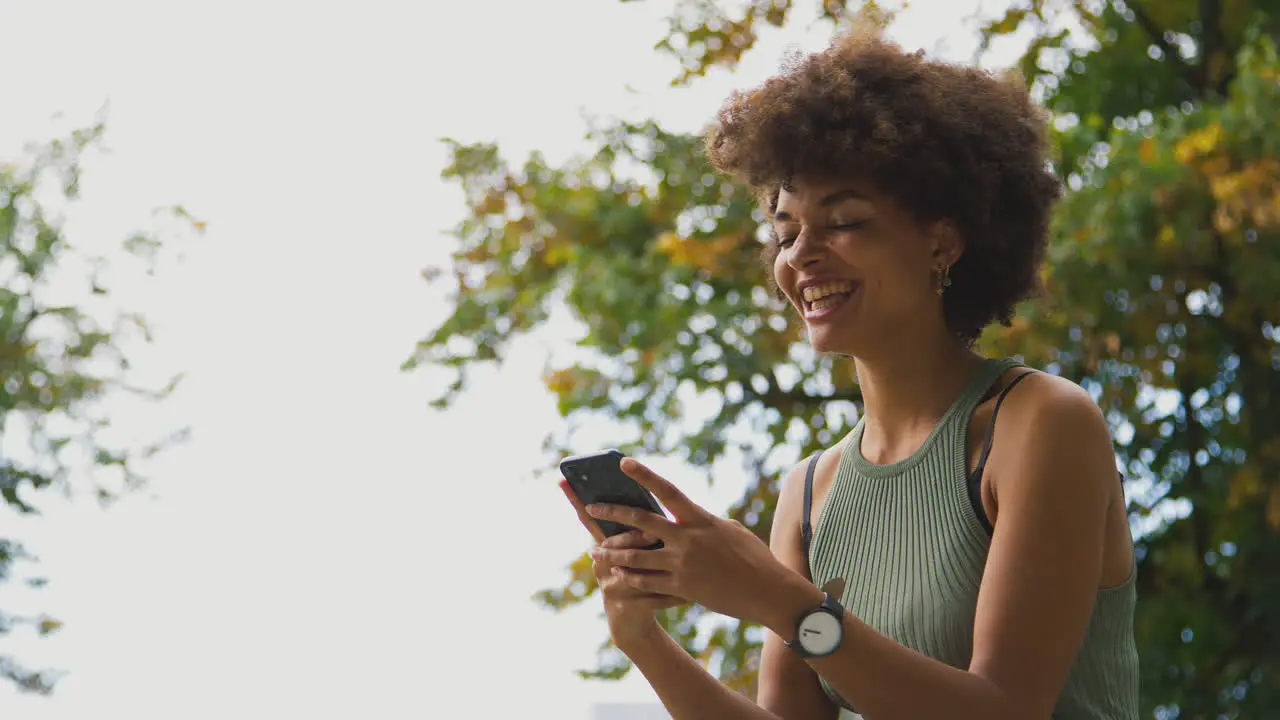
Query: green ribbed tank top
column 907, row 541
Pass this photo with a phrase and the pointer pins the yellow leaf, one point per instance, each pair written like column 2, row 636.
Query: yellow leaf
column 1007, row 24
column 701, row 253
column 1223, row 222
column 560, row 381
column 1198, row 143
column 557, row 255
column 668, row 242
column 673, row 247
column 493, row 203
column 581, row 567
column 1224, row 187
column 1147, row 150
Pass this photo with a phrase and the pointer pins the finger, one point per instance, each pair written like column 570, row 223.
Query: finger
column 622, row 594
column 643, row 520
column 653, row 583
column 669, row 495
column 615, row 588
column 599, row 565
column 634, row 558
column 604, row 574
column 655, row 602
column 630, row 539
column 666, row 602
column 592, row 526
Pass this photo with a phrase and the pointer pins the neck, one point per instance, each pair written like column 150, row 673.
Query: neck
column 910, row 387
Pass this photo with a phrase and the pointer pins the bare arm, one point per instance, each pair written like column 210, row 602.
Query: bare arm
column 1037, row 591
column 789, row 688
column 685, row 688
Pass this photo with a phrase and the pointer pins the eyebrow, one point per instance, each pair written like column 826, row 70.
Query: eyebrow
column 832, row 199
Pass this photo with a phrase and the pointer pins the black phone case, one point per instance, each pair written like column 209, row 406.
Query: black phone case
column 598, row 478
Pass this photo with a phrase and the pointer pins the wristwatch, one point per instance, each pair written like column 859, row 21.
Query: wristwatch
column 820, row 630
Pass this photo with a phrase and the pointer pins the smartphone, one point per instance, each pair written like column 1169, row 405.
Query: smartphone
column 598, row 478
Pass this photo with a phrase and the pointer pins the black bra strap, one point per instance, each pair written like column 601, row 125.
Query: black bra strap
column 806, row 528
column 975, row 478
column 991, row 427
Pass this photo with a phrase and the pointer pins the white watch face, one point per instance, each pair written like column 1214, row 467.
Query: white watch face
column 819, row 633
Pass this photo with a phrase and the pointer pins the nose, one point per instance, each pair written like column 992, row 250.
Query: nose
column 807, row 249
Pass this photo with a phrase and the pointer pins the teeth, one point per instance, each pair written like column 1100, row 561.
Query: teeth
column 817, row 292
column 826, row 302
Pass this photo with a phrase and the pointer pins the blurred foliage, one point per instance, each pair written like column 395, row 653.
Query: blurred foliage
column 59, row 360
column 1163, row 301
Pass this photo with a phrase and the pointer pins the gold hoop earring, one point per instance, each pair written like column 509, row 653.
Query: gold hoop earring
column 944, row 280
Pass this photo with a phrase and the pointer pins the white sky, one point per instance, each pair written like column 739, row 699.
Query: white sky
column 325, row 545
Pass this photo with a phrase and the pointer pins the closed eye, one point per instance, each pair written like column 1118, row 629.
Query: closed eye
column 789, row 240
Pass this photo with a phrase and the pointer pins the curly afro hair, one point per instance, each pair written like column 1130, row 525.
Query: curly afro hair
column 945, row 141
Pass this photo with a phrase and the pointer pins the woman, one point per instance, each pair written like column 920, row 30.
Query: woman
column 964, row 551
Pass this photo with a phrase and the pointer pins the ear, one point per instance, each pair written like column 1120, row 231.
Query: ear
column 946, row 242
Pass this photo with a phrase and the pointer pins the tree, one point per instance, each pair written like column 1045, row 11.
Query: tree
column 1163, row 301
column 60, row 357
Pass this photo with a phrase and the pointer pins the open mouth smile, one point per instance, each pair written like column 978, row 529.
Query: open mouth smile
column 824, row 298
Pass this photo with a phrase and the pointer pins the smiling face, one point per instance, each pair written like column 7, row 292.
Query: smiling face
column 856, row 266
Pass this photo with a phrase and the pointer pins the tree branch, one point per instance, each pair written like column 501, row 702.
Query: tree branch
column 1211, row 43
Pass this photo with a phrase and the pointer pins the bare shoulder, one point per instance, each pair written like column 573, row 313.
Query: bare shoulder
column 788, row 517
column 1048, row 412
column 791, row 488
column 791, row 491
column 1048, row 392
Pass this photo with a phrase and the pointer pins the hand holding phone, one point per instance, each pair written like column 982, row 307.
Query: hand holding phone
column 597, row 478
